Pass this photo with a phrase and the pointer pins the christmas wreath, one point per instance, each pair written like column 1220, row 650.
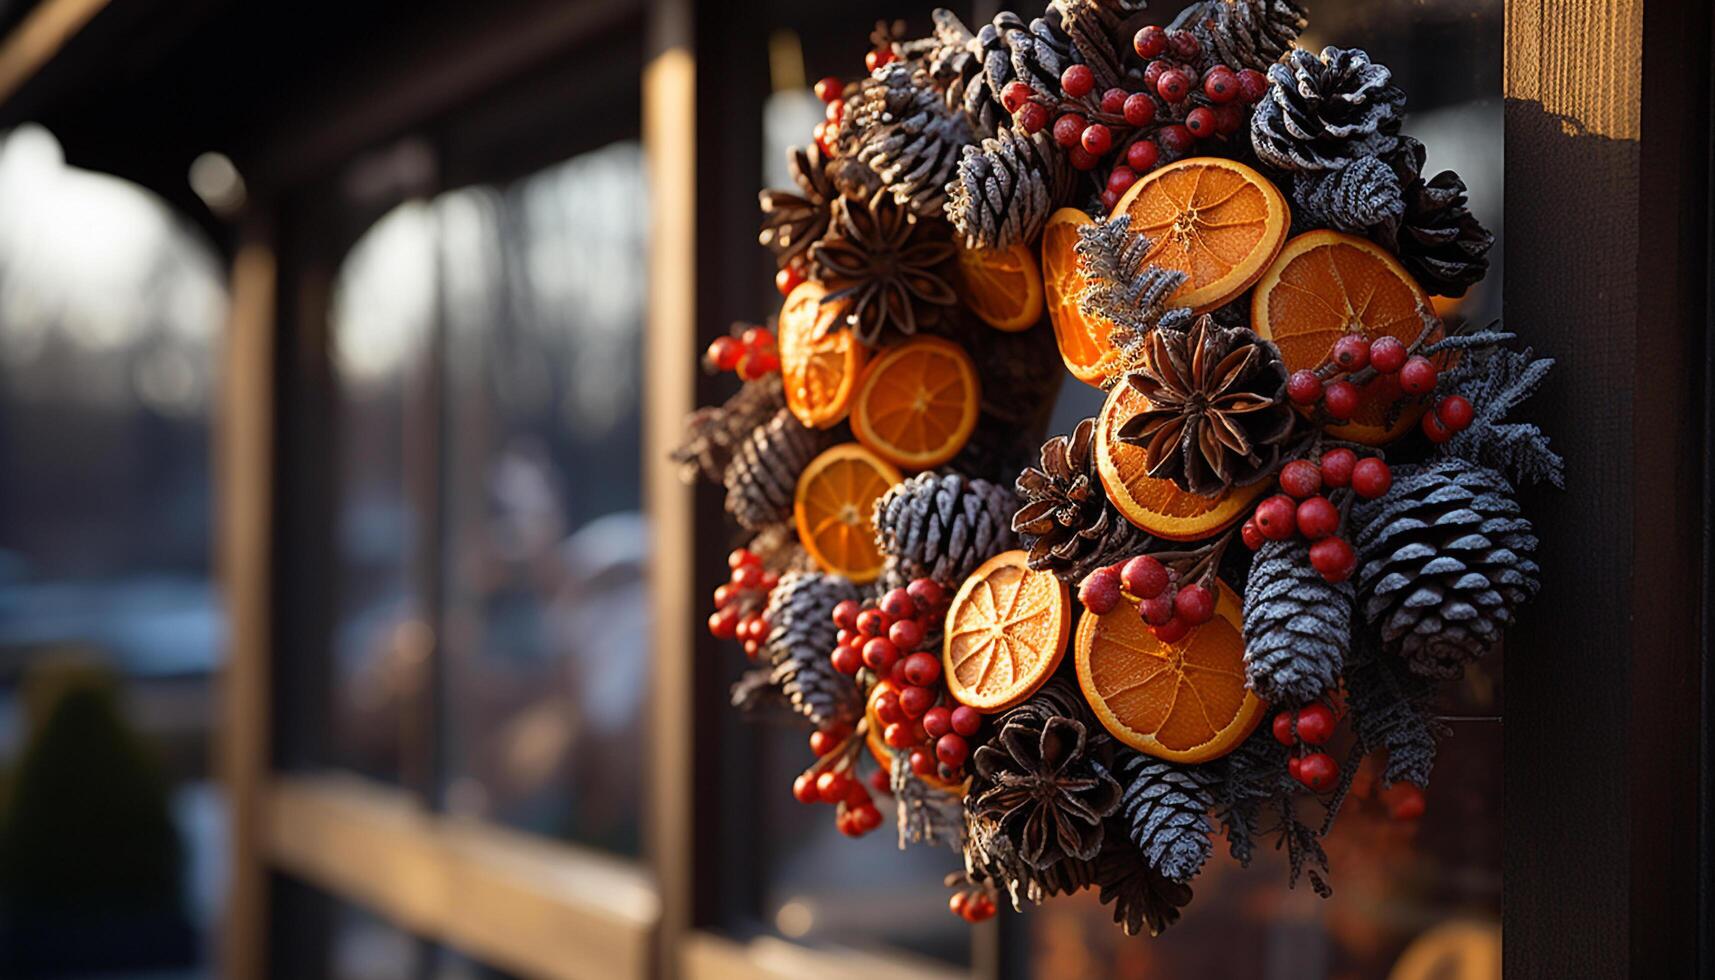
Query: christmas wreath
column 1048, row 652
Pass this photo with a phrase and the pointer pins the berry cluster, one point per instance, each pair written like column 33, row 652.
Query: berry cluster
column 739, row 603
column 1404, row 801
column 1170, row 609
column 1176, row 107
column 829, row 780
column 1309, row 728
column 752, row 353
column 888, row 637
column 1354, row 362
column 832, row 93
column 972, row 904
column 1301, row 508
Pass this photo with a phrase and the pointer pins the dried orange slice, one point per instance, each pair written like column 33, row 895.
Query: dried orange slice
column 1216, row 220
column 1006, row 632
column 1324, row 285
column 1003, row 286
column 834, row 509
column 820, row 366
column 1183, row 702
column 1158, row 506
column 1083, row 339
column 917, row 404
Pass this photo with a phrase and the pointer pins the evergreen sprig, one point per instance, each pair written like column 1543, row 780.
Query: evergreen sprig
column 1119, row 287
column 1496, row 381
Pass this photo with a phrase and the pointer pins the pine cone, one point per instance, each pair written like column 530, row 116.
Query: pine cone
column 1243, row 33
column 763, row 474
column 1364, row 194
column 1166, row 809
column 1037, row 780
column 1090, row 31
column 1067, row 521
column 1297, row 626
column 1216, row 413
column 792, row 222
column 899, row 126
column 892, row 266
column 1006, row 187
column 1444, row 561
column 715, row 431
column 1143, row 899
column 1439, row 239
column 942, row 525
column 1323, row 113
column 801, row 634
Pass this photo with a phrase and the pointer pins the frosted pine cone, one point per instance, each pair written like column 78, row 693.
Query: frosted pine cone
column 1362, row 195
column 763, row 474
column 1243, row 33
column 1323, row 113
column 1166, row 809
column 1298, row 625
column 713, row 432
column 899, row 126
column 942, row 525
column 801, row 634
column 1006, row 187
column 1444, row 562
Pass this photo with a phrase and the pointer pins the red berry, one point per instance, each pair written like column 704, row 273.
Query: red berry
column 926, row 591
column 1277, row 517
column 958, row 902
column 1351, row 352
column 1121, row 178
column 1340, row 400
column 1317, row 518
column 879, row 654
column 922, row 762
column 1152, row 74
column 1201, row 122
column 966, row 720
column 1253, row 85
column 1077, row 81
column 871, row 622
column 723, row 624
column 1434, row 429
column 828, row 89
column 867, row 818
column 898, row 604
column 1455, row 412
column 1173, row 85
column 1097, row 139
column 898, row 735
column 1068, row 128
column 906, row 634
column 937, row 721
column 1252, row 537
column 1294, row 767
column 1221, row 85
column 887, row 708
column 725, row 594
column 914, row 700
column 1417, row 377
column 790, row 277
column 1300, row 478
column 755, row 364
column 1100, row 591
column 897, row 674
column 757, row 338
column 831, row 786
column 1315, row 724
column 1109, row 199
column 980, row 908
column 923, row 669
column 835, row 112
column 1142, row 156
column 952, row 749
column 1149, row 42
column 1144, row 577
column 1404, row 801
column 825, row 740
column 878, row 781
column 1014, row 94
column 1185, row 45
column 1333, row 558
column 769, row 581
column 1387, row 354
column 723, row 353
column 846, row 614
column 1371, row 478
column 1194, row 604
column 1157, row 611
column 804, row 789
column 747, row 576
column 1282, row 727
column 1337, row 465
column 823, row 135
column 856, row 795
column 1032, row 116
column 1084, row 160
column 1318, row 772
column 1113, row 101
column 1228, row 119
column 846, row 660
column 1173, row 630
column 1304, row 387
column 1175, row 139
column 1138, row 109
column 878, row 58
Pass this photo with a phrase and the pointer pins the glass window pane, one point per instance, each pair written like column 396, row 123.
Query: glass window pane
column 546, row 627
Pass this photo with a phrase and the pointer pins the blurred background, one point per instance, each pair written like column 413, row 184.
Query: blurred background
column 330, row 556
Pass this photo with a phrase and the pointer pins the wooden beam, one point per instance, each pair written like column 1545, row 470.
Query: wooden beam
column 244, row 457
column 39, row 37
column 517, row 901
column 707, row 956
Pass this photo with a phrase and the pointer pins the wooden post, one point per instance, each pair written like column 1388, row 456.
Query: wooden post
column 1606, row 223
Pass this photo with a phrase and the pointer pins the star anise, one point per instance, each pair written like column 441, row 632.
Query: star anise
column 887, row 262
column 1035, row 780
column 1216, row 412
column 792, row 222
